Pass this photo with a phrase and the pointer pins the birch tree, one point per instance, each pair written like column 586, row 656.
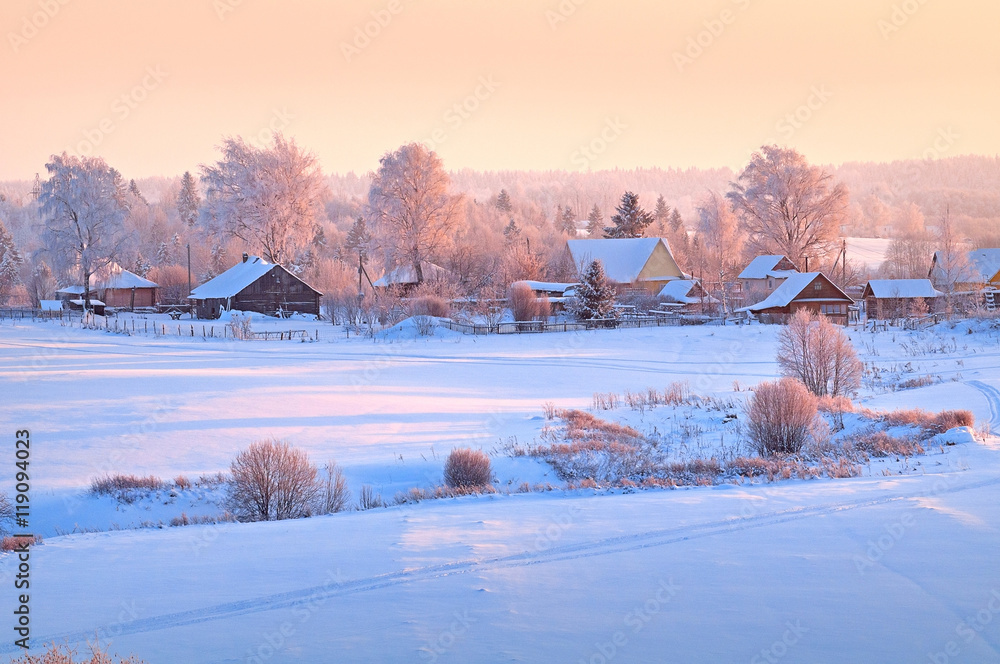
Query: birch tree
column 84, row 206
column 787, row 206
column 268, row 197
column 414, row 213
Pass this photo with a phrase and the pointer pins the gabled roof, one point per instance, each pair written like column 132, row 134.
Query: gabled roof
column 763, row 267
column 790, row 289
column 986, row 262
column 406, row 274
column 118, row 277
column 548, row 286
column 679, row 290
column 623, row 258
column 980, row 265
column 900, row 288
column 236, row 278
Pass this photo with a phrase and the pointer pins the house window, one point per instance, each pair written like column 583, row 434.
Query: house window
column 817, row 286
column 770, row 283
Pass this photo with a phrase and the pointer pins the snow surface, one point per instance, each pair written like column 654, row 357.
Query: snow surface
column 879, row 568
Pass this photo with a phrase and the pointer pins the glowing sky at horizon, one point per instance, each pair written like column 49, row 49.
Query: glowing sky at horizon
column 573, row 84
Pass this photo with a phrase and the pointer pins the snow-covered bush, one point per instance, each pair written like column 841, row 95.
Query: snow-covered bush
column 467, row 468
column 271, row 481
column 780, row 416
column 241, row 327
column 524, row 305
column 125, row 488
column 429, row 305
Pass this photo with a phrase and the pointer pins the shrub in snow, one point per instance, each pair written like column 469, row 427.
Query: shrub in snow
column 595, row 296
column 820, row 355
column 271, row 481
column 780, row 417
column 429, row 305
column 6, row 513
column 125, row 488
column 524, row 305
column 369, row 498
column 335, row 495
column 241, row 327
column 55, row 654
column 467, row 468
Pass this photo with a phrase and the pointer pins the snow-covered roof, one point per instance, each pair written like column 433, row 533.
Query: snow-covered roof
column 679, row 291
column 233, row 280
column 762, row 267
column 406, row 274
column 986, row 262
column 789, row 289
column 71, row 290
column 50, row 305
column 118, row 277
column 902, row 288
column 548, row 286
column 93, row 302
column 623, row 258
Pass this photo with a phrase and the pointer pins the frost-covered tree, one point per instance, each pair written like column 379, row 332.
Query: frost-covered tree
column 503, row 202
column 722, row 241
column 268, row 197
column 84, row 206
column 595, row 295
column 787, row 206
column 133, row 189
column 511, row 233
column 813, row 350
column 595, row 221
column 630, row 219
column 676, row 221
column 661, row 214
column 188, row 200
column 41, row 284
column 415, row 214
column 10, row 264
column 140, row 265
column 358, row 238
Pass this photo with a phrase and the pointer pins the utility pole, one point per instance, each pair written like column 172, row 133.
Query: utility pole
column 189, row 280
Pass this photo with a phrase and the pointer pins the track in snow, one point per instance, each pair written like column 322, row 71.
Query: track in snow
column 992, row 395
column 623, row 543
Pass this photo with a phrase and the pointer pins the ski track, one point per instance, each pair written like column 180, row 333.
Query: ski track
column 623, row 543
column 992, row 395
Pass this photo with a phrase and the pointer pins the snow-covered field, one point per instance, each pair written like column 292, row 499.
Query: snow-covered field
column 878, row 568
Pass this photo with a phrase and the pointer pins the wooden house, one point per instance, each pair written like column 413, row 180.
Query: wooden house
column 764, row 274
column 887, row 299
column 688, row 296
column 122, row 289
column 643, row 263
column 812, row 291
column 255, row 285
column 404, row 277
column 968, row 273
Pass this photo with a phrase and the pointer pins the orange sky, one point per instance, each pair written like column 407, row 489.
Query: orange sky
column 573, row 84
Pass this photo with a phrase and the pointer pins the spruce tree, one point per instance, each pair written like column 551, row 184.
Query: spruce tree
column 569, row 221
column 595, row 221
column 10, row 264
column 503, row 202
column 595, row 295
column 511, row 232
column 676, row 223
column 358, row 238
column 188, row 200
column 630, row 221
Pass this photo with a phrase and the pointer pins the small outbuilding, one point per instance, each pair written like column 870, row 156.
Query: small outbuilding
column 887, row 299
column 404, row 277
column 765, row 273
column 255, row 285
column 122, row 289
column 812, row 291
column 689, row 294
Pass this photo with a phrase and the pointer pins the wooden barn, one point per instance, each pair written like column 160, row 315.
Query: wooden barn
column 888, row 299
column 122, row 289
column 255, row 285
column 808, row 290
column 633, row 263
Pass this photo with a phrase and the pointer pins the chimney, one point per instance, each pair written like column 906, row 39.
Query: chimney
column 245, row 257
